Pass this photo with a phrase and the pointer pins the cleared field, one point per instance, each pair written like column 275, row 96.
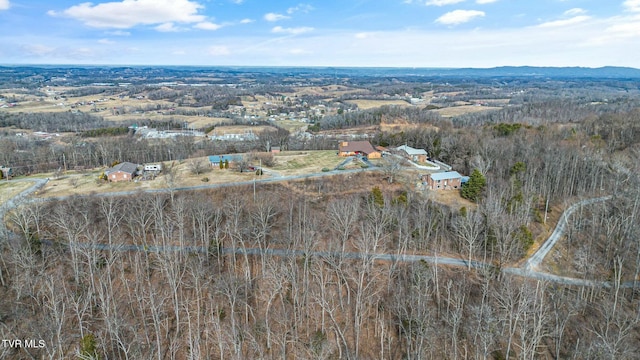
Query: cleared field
column 240, row 129
column 395, row 128
column 291, row 126
column 466, row 109
column 87, row 183
column 9, row 189
column 330, row 90
column 372, row 104
column 306, row 162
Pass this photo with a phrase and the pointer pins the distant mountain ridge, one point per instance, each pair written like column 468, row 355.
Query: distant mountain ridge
column 536, row 71
column 606, row 72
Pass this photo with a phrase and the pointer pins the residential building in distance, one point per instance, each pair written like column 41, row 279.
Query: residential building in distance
column 362, row 148
column 124, row 171
column 215, row 160
column 419, row 155
column 450, row 180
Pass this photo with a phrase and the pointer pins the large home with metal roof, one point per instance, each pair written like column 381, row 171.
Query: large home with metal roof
column 414, row 154
column 363, row 148
column 124, row 171
column 450, row 180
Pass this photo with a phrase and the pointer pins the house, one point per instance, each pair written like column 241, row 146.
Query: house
column 363, row 148
column 215, row 160
column 275, row 149
column 7, row 172
column 419, row 155
column 122, row 172
column 449, row 180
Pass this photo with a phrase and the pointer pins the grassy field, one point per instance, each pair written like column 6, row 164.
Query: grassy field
column 305, row 162
column 9, row 189
column 465, row 109
column 287, row 163
column 291, row 126
column 371, row 104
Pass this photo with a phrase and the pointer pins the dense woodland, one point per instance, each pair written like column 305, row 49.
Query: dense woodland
column 287, row 273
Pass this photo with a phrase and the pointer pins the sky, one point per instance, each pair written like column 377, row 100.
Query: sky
column 363, row 33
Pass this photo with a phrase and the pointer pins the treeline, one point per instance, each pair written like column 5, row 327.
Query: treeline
column 71, row 281
column 388, row 114
column 54, row 122
column 111, row 131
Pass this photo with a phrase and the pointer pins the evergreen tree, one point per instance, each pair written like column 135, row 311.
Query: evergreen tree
column 473, row 188
column 88, row 348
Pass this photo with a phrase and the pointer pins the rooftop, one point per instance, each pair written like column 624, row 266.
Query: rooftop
column 124, row 167
column 412, row 151
column 446, row 175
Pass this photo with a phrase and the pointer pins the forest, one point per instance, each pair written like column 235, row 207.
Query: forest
column 292, row 270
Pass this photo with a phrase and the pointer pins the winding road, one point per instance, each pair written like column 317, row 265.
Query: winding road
column 528, row 270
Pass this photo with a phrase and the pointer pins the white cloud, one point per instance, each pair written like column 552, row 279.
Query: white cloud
column 237, row 1
column 363, row 35
column 292, row 31
column 305, row 8
column 167, row 27
column 246, row 21
column 4, row 4
column 129, row 13
column 275, row 17
column 482, row 2
column 566, row 22
column 575, row 11
column 118, row 33
column 632, row 5
column 621, row 29
column 443, row 2
column 207, row 25
column 459, row 16
column 106, row 41
column 38, row 50
column 219, row 51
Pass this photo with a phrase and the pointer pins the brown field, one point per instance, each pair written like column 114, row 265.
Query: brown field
column 395, row 128
column 9, row 189
column 330, row 90
column 287, row 163
column 239, row 129
column 305, row 162
column 371, row 104
column 87, row 182
column 291, row 126
column 466, row 109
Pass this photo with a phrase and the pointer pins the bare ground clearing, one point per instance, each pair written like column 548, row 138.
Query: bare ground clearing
column 465, row 109
column 371, row 104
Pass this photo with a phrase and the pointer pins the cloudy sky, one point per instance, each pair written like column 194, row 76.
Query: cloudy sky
column 395, row 33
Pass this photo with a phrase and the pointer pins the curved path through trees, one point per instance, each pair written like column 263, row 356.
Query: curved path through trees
column 529, row 270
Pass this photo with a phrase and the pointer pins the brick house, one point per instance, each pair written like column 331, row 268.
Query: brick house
column 450, row 180
column 363, row 148
column 122, row 172
column 413, row 154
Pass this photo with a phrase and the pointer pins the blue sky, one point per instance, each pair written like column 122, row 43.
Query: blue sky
column 395, row 33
